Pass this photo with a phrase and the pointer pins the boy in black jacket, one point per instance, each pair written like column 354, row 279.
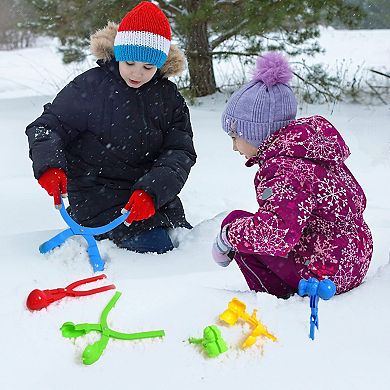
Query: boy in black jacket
column 119, row 136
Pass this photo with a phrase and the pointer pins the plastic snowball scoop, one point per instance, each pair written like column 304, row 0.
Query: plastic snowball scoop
column 39, row 299
column 93, row 351
column 87, row 233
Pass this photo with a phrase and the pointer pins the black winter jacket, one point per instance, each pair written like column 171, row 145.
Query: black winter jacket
column 111, row 140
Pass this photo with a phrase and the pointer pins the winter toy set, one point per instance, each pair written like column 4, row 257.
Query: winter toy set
column 212, row 340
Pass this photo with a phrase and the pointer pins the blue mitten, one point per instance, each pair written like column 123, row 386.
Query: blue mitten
column 222, row 251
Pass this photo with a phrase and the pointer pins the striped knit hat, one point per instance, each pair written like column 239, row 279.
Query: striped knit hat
column 144, row 35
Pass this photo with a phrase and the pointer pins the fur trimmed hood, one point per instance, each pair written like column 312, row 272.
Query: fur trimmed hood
column 102, row 43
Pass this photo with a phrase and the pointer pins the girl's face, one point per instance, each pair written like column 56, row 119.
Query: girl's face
column 244, row 147
column 136, row 74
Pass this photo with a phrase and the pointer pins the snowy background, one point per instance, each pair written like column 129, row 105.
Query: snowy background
column 183, row 291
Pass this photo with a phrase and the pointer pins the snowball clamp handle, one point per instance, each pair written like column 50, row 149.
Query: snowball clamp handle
column 93, row 351
column 324, row 289
column 87, row 233
column 39, row 299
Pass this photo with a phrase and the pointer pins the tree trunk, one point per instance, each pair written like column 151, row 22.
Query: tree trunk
column 200, row 62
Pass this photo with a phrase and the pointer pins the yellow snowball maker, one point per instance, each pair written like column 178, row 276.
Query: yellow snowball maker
column 237, row 309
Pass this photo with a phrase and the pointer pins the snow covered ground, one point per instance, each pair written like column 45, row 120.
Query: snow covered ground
column 183, row 291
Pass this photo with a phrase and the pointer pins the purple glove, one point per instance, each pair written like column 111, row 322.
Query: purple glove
column 222, row 252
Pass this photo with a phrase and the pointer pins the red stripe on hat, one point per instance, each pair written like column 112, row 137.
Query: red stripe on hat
column 146, row 17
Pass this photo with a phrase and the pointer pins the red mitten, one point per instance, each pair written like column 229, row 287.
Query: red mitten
column 54, row 182
column 140, row 205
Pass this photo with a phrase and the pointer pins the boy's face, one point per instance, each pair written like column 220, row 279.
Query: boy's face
column 243, row 147
column 136, row 74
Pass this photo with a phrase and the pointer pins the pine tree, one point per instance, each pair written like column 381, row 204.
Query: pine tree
column 377, row 13
column 13, row 17
column 206, row 29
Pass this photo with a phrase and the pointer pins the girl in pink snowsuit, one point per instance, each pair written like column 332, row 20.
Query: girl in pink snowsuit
column 310, row 217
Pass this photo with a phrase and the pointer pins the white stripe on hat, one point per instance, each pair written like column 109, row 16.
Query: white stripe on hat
column 142, row 38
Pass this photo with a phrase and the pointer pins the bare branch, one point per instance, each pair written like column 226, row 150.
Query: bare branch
column 380, row 73
column 376, row 93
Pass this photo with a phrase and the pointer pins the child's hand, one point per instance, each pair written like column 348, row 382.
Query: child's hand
column 54, row 181
column 140, row 205
column 222, row 252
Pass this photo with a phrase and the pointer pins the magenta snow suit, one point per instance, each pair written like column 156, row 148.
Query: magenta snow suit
column 310, row 217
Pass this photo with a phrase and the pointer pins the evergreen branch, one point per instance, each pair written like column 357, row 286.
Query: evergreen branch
column 328, row 95
column 295, row 46
column 232, row 3
column 323, row 92
column 228, row 34
column 166, row 6
column 309, row 70
column 233, row 53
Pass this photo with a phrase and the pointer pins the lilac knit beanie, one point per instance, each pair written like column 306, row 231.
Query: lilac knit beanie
column 265, row 104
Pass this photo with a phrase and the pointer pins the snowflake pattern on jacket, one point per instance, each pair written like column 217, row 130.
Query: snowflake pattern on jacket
column 310, row 205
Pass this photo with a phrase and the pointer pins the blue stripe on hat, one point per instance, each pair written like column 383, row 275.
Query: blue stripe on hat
column 140, row 54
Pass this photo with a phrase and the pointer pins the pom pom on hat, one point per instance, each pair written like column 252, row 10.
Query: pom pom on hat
column 256, row 110
column 272, row 68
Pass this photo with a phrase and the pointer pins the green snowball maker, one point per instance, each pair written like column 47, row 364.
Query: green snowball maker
column 93, row 351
